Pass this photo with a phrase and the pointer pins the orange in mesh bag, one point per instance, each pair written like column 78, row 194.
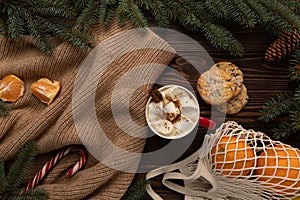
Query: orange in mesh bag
column 233, row 156
column 278, row 168
column 235, row 163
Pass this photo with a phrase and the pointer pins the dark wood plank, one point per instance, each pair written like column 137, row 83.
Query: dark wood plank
column 262, row 79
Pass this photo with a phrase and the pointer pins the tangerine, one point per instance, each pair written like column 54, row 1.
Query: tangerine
column 45, row 90
column 276, row 165
column 11, row 88
column 232, row 156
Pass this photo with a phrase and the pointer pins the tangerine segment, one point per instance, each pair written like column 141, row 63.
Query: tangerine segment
column 232, row 157
column 277, row 164
column 11, row 88
column 45, row 90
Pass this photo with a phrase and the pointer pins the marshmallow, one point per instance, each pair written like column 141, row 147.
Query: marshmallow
column 169, row 96
column 164, row 127
column 156, row 111
column 171, row 110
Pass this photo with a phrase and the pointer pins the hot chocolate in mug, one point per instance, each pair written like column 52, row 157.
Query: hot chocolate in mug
column 175, row 113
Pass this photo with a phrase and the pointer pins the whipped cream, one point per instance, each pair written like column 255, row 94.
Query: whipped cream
column 177, row 112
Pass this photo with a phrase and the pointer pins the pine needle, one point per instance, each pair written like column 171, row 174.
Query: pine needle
column 3, row 108
column 136, row 191
column 71, row 20
column 295, row 65
column 283, row 130
column 2, row 172
column 19, row 169
column 288, row 102
column 277, row 106
column 10, row 183
column 34, row 194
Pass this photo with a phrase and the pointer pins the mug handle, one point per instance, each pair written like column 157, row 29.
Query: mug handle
column 207, row 123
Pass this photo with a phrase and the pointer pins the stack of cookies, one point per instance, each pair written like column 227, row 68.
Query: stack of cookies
column 223, row 87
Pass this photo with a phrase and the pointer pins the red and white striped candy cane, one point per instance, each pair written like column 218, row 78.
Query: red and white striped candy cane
column 50, row 164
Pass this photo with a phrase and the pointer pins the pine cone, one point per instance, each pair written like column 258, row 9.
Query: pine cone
column 282, row 46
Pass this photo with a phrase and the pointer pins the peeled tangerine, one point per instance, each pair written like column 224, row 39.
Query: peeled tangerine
column 280, row 165
column 45, row 89
column 11, row 88
column 232, row 156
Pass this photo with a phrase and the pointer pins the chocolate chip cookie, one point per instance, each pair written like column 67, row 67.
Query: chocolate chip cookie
column 216, row 86
column 236, row 74
column 235, row 104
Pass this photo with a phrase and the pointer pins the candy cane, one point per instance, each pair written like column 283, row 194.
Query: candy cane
column 50, row 164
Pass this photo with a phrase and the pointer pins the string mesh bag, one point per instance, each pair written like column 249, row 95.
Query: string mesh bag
column 235, row 164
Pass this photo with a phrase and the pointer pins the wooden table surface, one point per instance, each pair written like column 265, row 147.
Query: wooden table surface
column 263, row 81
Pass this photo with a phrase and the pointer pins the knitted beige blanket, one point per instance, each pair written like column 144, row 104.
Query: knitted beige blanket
column 52, row 127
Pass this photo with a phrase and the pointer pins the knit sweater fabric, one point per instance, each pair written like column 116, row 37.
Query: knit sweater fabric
column 53, row 127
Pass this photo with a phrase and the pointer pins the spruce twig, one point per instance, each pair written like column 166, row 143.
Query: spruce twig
column 286, row 21
column 283, row 130
column 11, row 182
column 277, row 106
column 295, row 66
column 136, row 191
column 21, row 17
column 242, row 13
column 71, row 20
column 288, row 103
column 3, row 108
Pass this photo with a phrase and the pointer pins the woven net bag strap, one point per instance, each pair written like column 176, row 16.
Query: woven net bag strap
column 201, row 170
column 165, row 169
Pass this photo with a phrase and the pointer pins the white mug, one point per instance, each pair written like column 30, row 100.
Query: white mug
column 156, row 116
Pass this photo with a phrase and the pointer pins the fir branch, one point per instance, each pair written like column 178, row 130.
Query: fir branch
column 277, row 106
column 3, row 27
column 294, row 5
column 10, row 184
column 15, row 25
column 87, row 17
column 262, row 13
column 288, row 102
column 33, row 194
column 218, row 8
column 135, row 15
column 136, row 191
column 271, row 17
column 24, row 17
column 122, row 13
column 129, row 11
column 75, row 18
column 19, row 169
column 295, row 65
column 241, row 13
column 297, row 97
column 222, row 38
column 283, row 130
column 64, row 33
column 106, row 13
column 2, row 173
column 3, row 108
column 55, row 12
column 189, row 15
column 42, row 42
column 76, row 4
column 288, row 20
column 295, row 119
column 161, row 13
